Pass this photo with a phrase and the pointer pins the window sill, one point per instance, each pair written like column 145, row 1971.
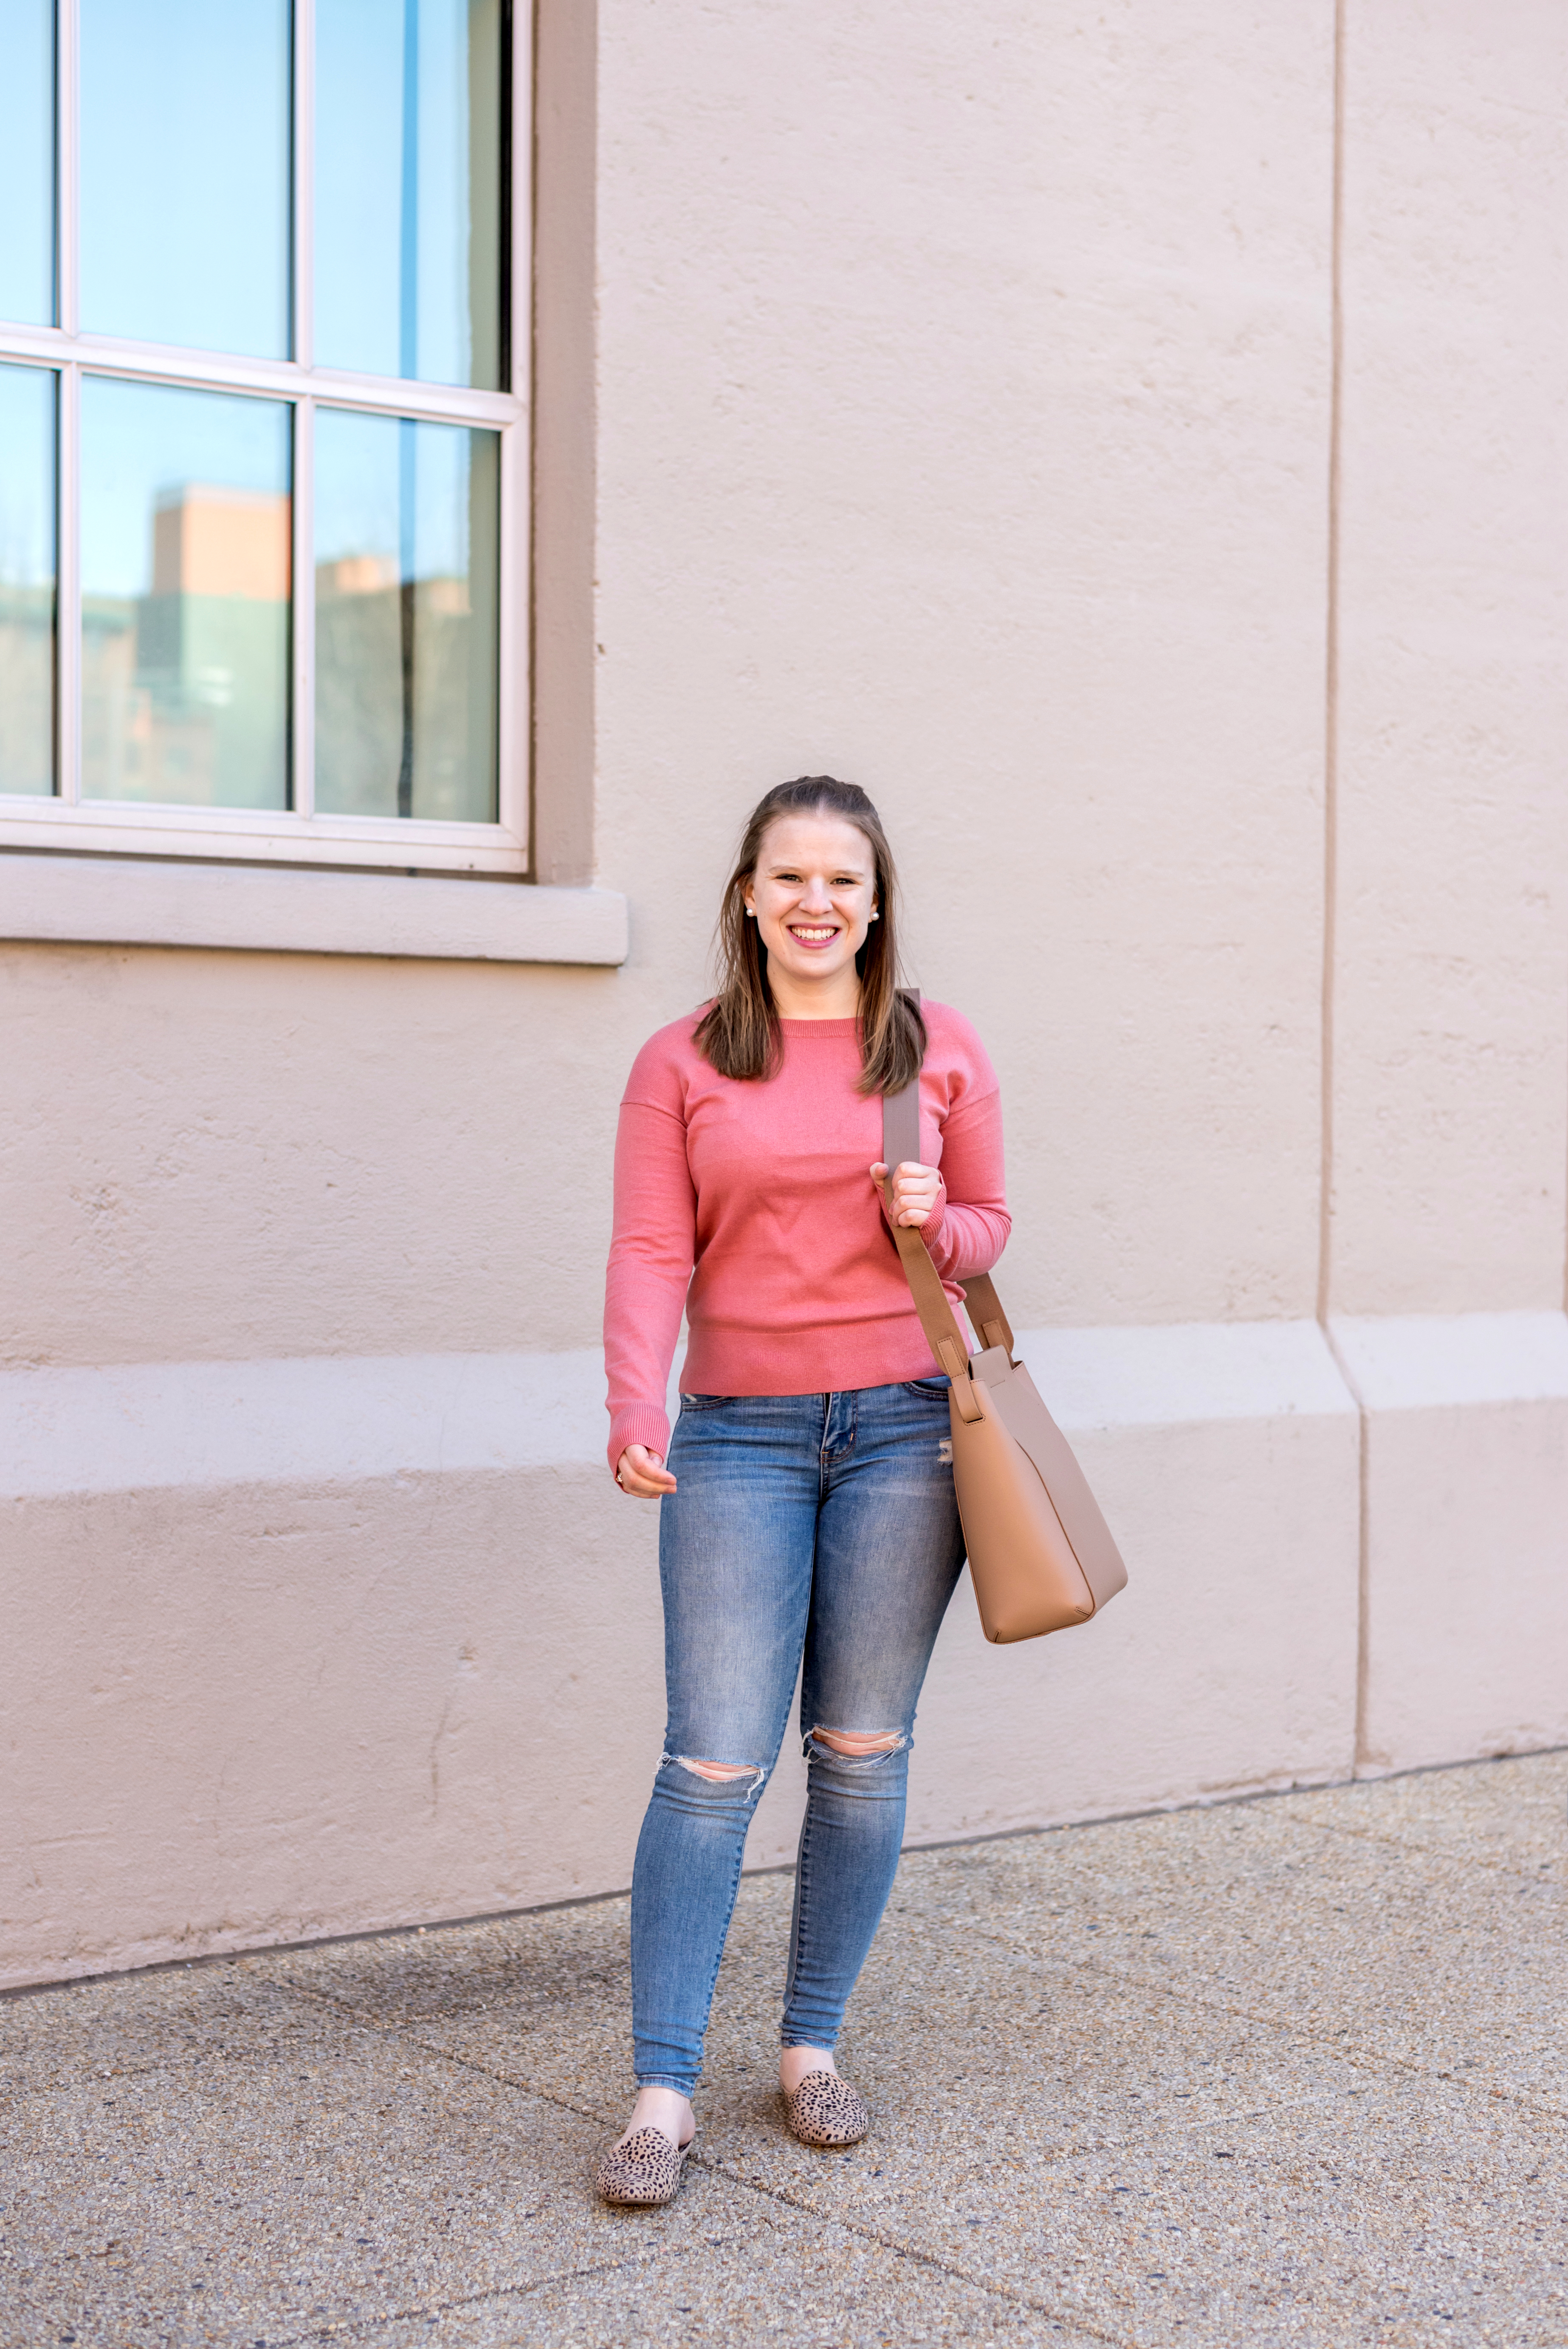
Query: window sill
column 247, row 909
column 102, row 828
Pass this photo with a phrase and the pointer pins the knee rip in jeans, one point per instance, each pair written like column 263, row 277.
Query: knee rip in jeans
column 719, row 1773
column 871, row 1745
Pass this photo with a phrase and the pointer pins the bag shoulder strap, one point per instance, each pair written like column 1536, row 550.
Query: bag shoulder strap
column 901, row 1140
column 986, row 1311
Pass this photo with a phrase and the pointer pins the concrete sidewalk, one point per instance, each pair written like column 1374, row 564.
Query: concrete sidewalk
column 1290, row 2070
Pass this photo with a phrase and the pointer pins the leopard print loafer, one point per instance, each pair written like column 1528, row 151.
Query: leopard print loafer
column 825, row 2110
column 643, row 2171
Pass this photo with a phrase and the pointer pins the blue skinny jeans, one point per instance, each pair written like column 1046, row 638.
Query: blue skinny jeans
column 820, row 1530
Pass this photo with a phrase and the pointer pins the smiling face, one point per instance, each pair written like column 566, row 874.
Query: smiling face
column 813, row 894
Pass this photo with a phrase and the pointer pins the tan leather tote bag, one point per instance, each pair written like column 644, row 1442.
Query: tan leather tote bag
column 1041, row 1556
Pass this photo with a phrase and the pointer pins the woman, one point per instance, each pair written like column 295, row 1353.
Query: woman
column 805, row 1502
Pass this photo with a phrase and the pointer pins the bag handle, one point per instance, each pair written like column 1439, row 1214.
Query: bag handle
column 901, row 1140
column 986, row 1311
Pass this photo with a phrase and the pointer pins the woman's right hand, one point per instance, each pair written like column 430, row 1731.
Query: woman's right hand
column 643, row 1474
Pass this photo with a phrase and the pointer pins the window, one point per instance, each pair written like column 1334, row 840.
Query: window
column 262, row 433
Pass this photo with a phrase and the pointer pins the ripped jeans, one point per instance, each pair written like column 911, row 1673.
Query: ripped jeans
column 819, row 1531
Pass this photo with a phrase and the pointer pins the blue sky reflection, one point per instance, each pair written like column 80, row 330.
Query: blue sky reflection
column 185, row 173
column 27, row 161
column 407, row 188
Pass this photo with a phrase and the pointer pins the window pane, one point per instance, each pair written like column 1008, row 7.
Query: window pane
column 27, row 397
column 406, row 541
column 408, row 188
column 185, row 173
column 27, row 161
column 185, row 595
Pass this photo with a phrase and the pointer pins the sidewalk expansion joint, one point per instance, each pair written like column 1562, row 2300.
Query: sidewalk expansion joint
column 1434, row 1852
column 1361, row 2059
column 1068, row 2318
column 438, row 2308
column 405, row 2033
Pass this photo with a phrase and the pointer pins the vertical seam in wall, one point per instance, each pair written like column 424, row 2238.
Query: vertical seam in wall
column 1363, row 1593
column 1331, row 873
column 1331, row 691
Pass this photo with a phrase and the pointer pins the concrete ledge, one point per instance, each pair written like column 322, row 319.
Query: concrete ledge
column 1466, row 1567
column 295, row 1647
column 334, row 1419
column 298, row 1647
column 1182, row 1373
column 134, row 901
column 1422, row 1361
column 320, row 1419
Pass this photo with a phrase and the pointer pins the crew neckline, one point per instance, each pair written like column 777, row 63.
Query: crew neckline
column 833, row 1028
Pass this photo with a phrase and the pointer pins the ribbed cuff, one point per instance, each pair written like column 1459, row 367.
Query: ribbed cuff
column 639, row 1422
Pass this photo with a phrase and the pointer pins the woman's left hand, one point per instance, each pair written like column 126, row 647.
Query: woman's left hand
column 915, row 1190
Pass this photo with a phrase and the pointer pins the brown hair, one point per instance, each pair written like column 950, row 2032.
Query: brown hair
column 738, row 1032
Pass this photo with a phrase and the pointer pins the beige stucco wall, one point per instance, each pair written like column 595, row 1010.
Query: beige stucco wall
column 214, row 1156
column 964, row 421
column 1451, row 974
column 965, row 428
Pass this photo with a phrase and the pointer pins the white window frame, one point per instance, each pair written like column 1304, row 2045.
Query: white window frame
column 302, row 836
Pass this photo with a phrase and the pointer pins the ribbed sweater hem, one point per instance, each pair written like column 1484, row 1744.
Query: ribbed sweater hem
column 756, row 1363
column 750, row 1362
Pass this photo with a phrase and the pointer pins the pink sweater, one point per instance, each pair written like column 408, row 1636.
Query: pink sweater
column 750, row 1205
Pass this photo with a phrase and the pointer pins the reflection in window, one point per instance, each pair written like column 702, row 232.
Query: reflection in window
column 27, row 161
column 185, row 149
column 26, row 579
column 176, row 123
column 408, row 188
column 406, row 617
column 185, row 595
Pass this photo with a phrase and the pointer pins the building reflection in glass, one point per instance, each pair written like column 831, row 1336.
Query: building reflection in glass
column 27, row 466
column 406, row 617
column 185, row 597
